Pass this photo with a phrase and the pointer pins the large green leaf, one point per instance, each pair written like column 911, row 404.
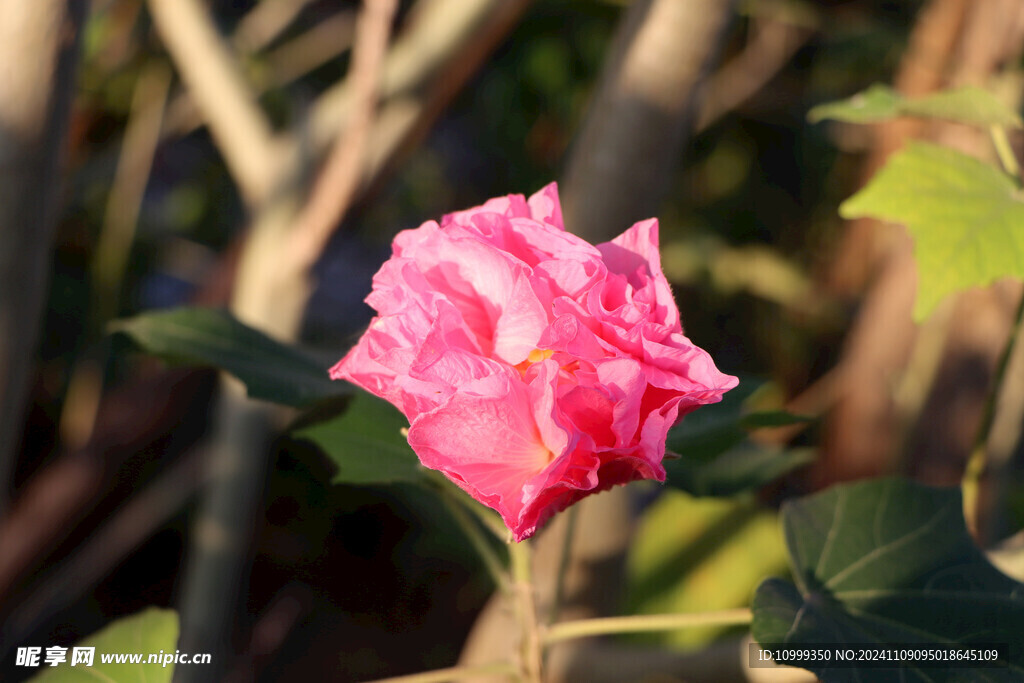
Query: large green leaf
column 270, row 370
column 889, row 562
column 715, row 456
column 367, row 444
column 966, row 217
column 969, row 105
column 151, row 631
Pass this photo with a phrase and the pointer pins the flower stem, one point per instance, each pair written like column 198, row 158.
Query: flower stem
column 1004, row 151
column 563, row 563
column 978, row 459
column 526, row 613
column 585, row 628
column 455, row 673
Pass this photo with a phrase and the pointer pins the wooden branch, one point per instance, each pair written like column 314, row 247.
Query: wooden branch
column 629, row 143
column 437, row 32
column 265, row 22
column 342, row 174
column 773, row 44
column 38, row 48
column 295, row 58
column 208, row 67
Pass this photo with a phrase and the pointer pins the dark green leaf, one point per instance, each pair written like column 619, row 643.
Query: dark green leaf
column 270, row 370
column 145, row 633
column 715, row 456
column 969, row 105
column 366, row 443
column 711, row 430
column 744, row 467
column 889, row 562
column 966, row 217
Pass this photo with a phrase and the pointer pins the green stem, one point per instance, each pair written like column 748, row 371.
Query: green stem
column 480, row 543
column 526, row 613
column 563, row 563
column 1004, row 151
column 585, row 628
column 455, row 673
column 978, row 459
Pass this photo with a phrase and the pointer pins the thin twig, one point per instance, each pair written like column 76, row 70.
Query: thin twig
column 342, row 173
column 773, row 44
column 563, row 563
column 266, row 21
column 212, row 74
column 585, row 628
column 978, row 459
column 324, row 41
column 441, row 35
column 110, row 261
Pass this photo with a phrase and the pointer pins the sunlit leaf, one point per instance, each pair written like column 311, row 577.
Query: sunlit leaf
column 889, row 562
column 366, row 443
column 877, row 103
column 966, row 217
column 968, row 104
column 203, row 336
column 151, row 631
column 700, row 554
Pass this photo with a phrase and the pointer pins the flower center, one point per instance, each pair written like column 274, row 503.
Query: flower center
column 538, row 355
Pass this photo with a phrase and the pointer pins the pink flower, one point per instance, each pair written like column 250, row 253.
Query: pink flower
column 534, row 368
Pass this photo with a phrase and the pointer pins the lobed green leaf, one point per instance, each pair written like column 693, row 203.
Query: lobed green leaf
column 889, row 562
column 970, row 105
column 966, row 218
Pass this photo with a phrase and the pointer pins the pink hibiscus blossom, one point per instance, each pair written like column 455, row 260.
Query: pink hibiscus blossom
column 534, row 368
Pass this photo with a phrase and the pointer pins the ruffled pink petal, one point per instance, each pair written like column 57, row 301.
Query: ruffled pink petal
column 546, row 207
column 635, row 254
column 488, row 441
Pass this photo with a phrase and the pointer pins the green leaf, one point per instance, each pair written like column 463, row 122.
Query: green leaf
column 691, row 555
column 715, row 456
column 203, row 336
column 366, row 443
column 877, row 103
column 889, row 562
column 970, row 105
column 745, row 467
column 966, row 218
column 145, row 633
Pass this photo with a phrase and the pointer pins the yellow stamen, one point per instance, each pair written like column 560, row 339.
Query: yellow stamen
column 537, row 355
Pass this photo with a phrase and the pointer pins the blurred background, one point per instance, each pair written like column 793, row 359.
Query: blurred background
column 152, row 203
